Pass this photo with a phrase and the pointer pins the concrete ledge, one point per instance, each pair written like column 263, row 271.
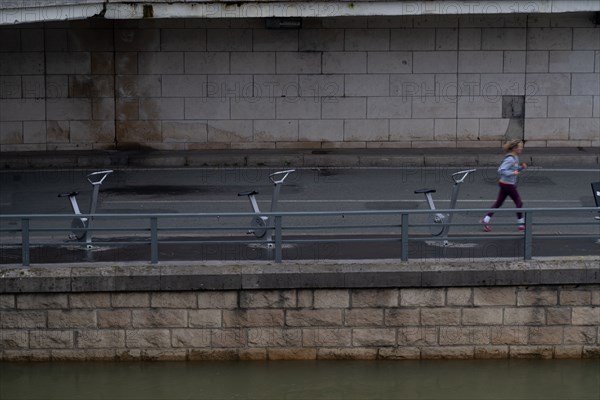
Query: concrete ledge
column 348, row 275
column 538, row 157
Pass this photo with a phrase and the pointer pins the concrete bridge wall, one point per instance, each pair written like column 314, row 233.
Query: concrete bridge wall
column 494, row 309
column 360, row 82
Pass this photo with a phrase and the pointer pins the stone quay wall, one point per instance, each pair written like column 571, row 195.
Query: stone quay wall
column 301, row 311
column 451, row 81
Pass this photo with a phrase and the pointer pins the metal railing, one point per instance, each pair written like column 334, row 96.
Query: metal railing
column 401, row 226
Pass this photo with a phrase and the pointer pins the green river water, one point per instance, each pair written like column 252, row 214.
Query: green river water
column 464, row 380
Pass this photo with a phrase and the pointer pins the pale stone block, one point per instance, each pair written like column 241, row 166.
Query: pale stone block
column 321, row 130
column 568, row 352
column 496, row 85
column 228, row 337
column 482, row 316
column 546, row 335
column 389, row 107
column 184, row 86
column 493, row 128
column 459, row 296
column 548, row 84
column 92, row 131
column 41, row 301
column 371, row 130
column 509, row 335
column 440, row 316
column 402, row 317
column 256, row 354
column 524, row 316
column 580, row 335
column 253, row 107
column 158, row 318
column 397, row 62
column 298, row 63
column 291, row 354
column 344, row 107
column 267, row 299
column 319, row 317
column 586, row 38
column 462, row 335
column 235, row 86
column 51, row 339
column 347, row 354
column 549, row 38
column 422, row 297
column 531, row 352
column 192, row 338
column 184, row 132
column 130, row 300
column 412, row 85
column 68, row 63
column 305, row 298
column 369, row 337
column 585, row 84
column 206, row 62
column 107, row 319
column 22, row 110
column 584, row 128
column 571, row 61
column 411, row 129
column 275, row 337
column 469, row 39
column 596, row 113
column 344, row 62
column 7, row 301
column 446, row 39
column 299, row 108
column 275, row 86
column 368, row 298
column 467, row 129
column 320, row 85
column 321, row 39
column 412, row 39
column 436, row 62
column 138, row 86
column 586, row 315
column 139, row 132
column 503, row 39
column 491, row 352
column 555, row 128
column 496, row 296
column 479, row 107
column 205, row 318
column 558, row 316
column 479, row 62
column 101, row 338
column 367, row 39
column 173, row 300
column 229, row 131
column 447, row 353
column 363, row 317
column 275, row 130
column 251, row 318
column 596, row 297
column 252, row 63
column 537, row 61
column 71, row 319
column 218, row 300
column 537, row 297
column 433, row 107
column 207, row 108
column 323, row 337
column 11, row 132
column 22, row 319
column 229, row 39
column 514, row 61
column 367, row 85
column 536, row 106
column 332, row 298
column 147, row 338
column 275, row 40
column 183, row 39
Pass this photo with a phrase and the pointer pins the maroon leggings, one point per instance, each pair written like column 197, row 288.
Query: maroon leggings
column 510, row 191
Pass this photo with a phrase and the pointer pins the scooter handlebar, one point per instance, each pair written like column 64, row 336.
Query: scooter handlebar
column 462, row 174
column 278, row 173
column 96, row 178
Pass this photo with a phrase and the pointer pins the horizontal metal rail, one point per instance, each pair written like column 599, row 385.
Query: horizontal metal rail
column 400, row 226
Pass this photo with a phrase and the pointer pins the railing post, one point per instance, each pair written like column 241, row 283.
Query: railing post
column 278, row 239
column 25, row 241
column 528, row 244
column 404, row 237
column 153, row 240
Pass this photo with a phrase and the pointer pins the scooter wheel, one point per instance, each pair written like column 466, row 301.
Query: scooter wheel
column 77, row 229
column 259, row 226
column 437, row 222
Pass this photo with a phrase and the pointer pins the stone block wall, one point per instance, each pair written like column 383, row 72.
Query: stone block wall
column 557, row 321
column 410, row 82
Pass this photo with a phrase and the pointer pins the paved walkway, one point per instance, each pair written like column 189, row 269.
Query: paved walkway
column 540, row 157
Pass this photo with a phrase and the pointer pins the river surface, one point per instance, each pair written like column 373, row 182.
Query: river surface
column 418, row 380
